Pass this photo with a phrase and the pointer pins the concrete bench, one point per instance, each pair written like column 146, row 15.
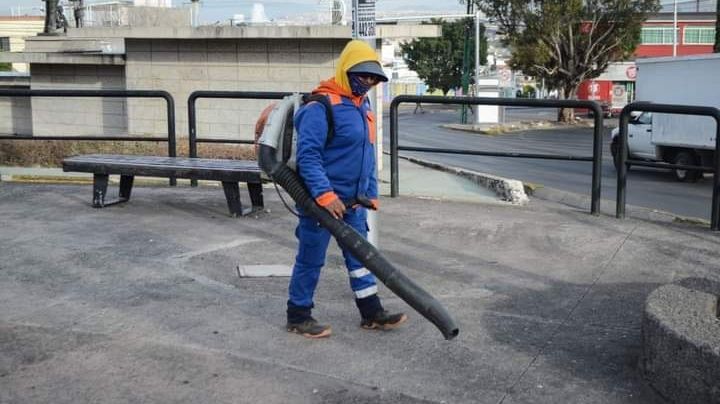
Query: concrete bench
column 229, row 172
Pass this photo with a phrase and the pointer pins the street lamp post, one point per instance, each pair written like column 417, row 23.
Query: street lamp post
column 477, row 61
column 465, row 81
column 675, row 29
column 363, row 27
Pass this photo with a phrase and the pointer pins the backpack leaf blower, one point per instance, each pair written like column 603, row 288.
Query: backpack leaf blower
column 276, row 160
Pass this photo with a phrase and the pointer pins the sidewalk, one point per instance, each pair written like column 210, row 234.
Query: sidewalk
column 414, row 180
column 141, row 302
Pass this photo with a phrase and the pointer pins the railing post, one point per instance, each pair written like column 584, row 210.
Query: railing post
column 622, row 166
column 192, row 132
column 172, row 144
column 715, row 216
column 394, row 176
column 598, row 130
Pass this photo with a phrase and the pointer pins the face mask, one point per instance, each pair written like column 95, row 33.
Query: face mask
column 357, row 86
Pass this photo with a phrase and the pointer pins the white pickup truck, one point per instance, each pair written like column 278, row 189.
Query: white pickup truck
column 677, row 139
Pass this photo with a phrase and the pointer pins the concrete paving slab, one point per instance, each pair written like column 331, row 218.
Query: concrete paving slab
column 585, row 365
column 263, row 271
column 420, row 181
column 142, row 302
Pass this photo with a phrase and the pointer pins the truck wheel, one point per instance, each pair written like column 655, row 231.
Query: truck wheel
column 689, row 159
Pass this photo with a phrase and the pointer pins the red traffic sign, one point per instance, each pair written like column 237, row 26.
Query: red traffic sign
column 631, row 72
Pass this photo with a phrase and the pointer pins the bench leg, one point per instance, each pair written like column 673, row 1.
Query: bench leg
column 232, row 194
column 256, row 196
column 126, row 183
column 100, row 184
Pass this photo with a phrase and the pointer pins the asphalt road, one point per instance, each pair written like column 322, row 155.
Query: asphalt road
column 647, row 187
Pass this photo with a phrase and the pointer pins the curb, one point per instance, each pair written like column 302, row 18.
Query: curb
column 518, row 192
column 508, row 190
column 496, row 129
column 499, row 129
column 45, row 179
column 681, row 341
column 608, row 206
column 87, row 180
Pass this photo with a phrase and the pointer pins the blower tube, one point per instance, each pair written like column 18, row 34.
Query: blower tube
column 348, row 238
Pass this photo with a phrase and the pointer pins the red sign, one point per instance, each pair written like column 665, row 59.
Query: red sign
column 631, row 72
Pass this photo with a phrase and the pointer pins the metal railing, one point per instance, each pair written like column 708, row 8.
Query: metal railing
column 596, row 158
column 169, row 101
column 694, row 110
column 237, row 95
column 100, row 93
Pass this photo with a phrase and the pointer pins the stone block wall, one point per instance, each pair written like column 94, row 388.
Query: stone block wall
column 181, row 66
column 86, row 116
column 15, row 115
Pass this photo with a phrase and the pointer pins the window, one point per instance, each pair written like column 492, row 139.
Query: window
column 645, row 118
column 657, row 36
column 699, row 35
column 4, row 44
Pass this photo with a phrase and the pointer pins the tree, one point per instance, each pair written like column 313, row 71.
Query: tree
column 566, row 42
column 438, row 61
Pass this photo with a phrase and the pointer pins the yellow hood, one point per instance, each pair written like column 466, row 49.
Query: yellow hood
column 355, row 52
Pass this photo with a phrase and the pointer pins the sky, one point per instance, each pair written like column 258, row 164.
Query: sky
column 274, row 9
column 220, row 10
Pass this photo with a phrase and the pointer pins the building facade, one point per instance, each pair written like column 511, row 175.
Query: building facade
column 695, row 36
column 14, row 30
column 179, row 60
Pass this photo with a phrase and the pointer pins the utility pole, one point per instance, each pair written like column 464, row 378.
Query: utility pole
column 477, row 62
column 466, row 63
column 716, row 49
column 675, row 29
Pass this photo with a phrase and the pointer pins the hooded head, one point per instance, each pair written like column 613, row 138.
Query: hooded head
column 360, row 55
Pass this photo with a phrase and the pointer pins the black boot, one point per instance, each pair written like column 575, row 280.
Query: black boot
column 374, row 316
column 301, row 322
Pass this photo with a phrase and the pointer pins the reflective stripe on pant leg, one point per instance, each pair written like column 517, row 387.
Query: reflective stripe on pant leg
column 362, row 281
column 312, row 245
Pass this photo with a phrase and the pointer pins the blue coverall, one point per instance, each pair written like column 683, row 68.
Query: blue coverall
column 344, row 168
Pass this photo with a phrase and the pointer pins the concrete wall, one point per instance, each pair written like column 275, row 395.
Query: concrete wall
column 78, row 116
column 15, row 113
column 17, row 29
column 181, row 66
column 115, row 15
